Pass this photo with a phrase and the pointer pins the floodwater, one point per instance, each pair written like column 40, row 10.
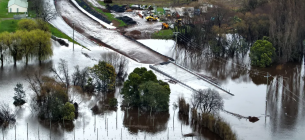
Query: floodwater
column 121, row 123
column 285, row 102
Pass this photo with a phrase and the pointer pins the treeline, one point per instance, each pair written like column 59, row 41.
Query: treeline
column 31, row 40
column 227, row 32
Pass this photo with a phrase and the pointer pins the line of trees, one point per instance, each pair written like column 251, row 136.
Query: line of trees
column 280, row 20
column 32, row 40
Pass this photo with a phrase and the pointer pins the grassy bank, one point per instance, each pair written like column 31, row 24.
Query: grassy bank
column 163, row 34
column 60, row 34
column 8, row 25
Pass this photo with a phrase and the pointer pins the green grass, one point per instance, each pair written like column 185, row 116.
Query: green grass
column 163, row 34
column 160, row 9
column 8, row 25
column 60, row 34
column 4, row 11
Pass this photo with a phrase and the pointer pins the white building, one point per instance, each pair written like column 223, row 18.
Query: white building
column 17, row 6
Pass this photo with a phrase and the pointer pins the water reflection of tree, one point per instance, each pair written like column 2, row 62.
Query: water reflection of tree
column 219, row 68
column 286, row 100
column 153, row 124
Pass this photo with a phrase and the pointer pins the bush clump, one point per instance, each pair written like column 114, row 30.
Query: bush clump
column 214, row 124
column 184, row 107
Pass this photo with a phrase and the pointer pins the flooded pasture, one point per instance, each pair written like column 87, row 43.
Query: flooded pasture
column 285, row 102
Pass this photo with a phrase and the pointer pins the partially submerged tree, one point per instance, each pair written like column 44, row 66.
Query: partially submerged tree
column 207, row 101
column 7, row 116
column 104, row 73
column 19, row 95
column 262, row 53
column 5, row 41
column 43, row 48
column 142, row 89
column 119, row 63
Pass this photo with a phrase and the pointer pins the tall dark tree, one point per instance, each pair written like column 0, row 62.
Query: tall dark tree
column 287, row 28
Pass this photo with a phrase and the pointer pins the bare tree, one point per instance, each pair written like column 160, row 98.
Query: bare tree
column 6, row 115
column 63, row 73
column 207, row 101
column 43, row 9
column 119, row 62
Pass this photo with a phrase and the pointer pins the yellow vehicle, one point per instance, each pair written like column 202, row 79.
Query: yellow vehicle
column 151, row 18
column 165, row 25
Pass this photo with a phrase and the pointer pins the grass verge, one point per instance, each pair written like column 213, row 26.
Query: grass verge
column 8, row 25
column 60, row 34
column 163, row 34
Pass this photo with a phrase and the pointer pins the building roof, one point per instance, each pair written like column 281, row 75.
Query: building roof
column 21, row 3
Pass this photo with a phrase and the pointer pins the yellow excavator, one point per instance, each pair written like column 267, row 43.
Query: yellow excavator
column 151, row 18
column 165, row 25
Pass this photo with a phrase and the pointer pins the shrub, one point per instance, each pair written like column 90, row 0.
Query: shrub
column 113, row 102
column 262, row 53
column 19, row 95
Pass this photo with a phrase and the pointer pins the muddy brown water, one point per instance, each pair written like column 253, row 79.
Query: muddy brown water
column 285, row 104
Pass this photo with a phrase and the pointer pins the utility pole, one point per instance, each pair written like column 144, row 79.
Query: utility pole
column 73, row 35
column 266, row 95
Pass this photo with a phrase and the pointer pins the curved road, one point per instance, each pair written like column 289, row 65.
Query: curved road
column 109, row 38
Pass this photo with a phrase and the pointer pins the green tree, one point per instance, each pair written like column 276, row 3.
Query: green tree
column 154, row 96
column 68, row 111
column 42, row 44
column 113, row 102
column 27, row 24
column 4, row 44
column 19, row 95
column 105, row 74
column 262, row 53
column 27, row 44
column 143, row 89
column 15, row 46
column 42, row 25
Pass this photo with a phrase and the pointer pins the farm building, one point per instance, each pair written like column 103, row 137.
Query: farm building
column 17, row 6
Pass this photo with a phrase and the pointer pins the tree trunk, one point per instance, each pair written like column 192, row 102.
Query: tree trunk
column 1, row 60
column 15, row 59
column 39, row 54
column 26, row 59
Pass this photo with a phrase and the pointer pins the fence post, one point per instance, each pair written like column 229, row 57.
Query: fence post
column 27, row 131
column 97, row 133
column 38, row 132
column 50, row 128
column 15, row 132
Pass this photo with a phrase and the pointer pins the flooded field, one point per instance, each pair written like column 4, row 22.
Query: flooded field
column 285, row 103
